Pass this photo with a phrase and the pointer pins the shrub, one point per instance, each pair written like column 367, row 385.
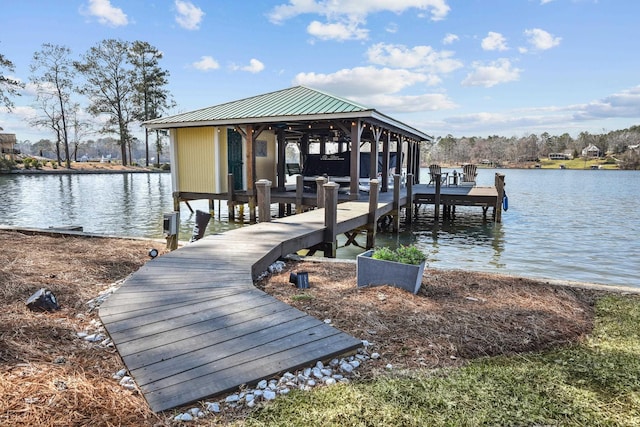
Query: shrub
column 404, row 254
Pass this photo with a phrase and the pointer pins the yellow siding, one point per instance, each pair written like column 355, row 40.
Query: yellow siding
column 266, row 166
column 196, row 159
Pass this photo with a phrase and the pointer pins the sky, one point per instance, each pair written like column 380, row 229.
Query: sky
column 445, row 67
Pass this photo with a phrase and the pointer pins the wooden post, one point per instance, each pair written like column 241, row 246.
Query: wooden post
column 396, row 202
column 385, row 162
column 408, row 210
column 436, row 200
column 330, row 219
column 320, row 182
column 299, row 192
column 499, row 183
column 231, row 208
column 354, row 173
column 372, row 221
column 263, row 187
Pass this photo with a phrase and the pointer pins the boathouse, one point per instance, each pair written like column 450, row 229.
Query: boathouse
column 220, row 152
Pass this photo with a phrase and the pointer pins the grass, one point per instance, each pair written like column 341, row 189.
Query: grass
column 577, row 163
column 595, row 383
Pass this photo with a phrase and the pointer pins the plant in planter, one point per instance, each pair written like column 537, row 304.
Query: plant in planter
column 402, row 267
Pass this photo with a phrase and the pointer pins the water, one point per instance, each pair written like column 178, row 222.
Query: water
column 561, row 224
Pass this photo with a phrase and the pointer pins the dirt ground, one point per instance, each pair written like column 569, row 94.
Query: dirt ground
column 49, row 376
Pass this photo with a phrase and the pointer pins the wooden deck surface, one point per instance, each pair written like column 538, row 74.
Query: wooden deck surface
column 190, row 324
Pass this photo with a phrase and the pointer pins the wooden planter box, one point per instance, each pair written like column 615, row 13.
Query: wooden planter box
column 372, row 272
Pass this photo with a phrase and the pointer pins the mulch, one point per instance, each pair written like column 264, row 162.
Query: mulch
column 48, row 376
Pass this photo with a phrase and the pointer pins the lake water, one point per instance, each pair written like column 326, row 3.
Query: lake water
column 561, row 224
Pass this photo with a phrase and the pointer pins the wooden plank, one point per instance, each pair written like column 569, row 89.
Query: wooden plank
column 163, row 320
column 252, row 371
column 208, row 358
column 206, row 365
column 149, row 304
column 178, row 341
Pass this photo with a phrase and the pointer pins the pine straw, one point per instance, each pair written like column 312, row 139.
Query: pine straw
column 456, row 315
column 50, row 377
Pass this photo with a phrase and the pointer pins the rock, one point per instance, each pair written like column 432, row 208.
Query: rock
column 269, row 395
column 355, row 364
column 375, row 356
column 346, row 367
column 183, row 417
column 213, row 407
column 389, row 366
column 330, row 381
column 262, row 384
column 232, row 398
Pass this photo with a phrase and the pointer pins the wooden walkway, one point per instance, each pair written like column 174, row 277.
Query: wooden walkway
column 190, row 324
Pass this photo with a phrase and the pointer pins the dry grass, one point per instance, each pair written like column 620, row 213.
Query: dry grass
column 50, row 377
column 455, row 316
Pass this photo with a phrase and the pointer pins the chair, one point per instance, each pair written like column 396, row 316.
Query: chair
column 435, row 170
column 469, row 173
column 293, row 169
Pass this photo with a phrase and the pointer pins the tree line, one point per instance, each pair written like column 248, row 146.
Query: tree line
column 620, row 146
column 122, row 82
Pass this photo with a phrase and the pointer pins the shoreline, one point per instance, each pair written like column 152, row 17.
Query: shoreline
column 61, row 232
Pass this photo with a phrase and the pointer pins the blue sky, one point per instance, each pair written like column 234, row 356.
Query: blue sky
column 459, row 67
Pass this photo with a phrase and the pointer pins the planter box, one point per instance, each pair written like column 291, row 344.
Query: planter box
column 372, row 272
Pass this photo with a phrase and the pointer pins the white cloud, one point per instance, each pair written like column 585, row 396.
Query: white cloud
column 622, row 104
column 206, row 63
column 337, row 31
column 392, row 28
column 408, row 103
column 450, row 38
column 105, row 12
column 355, row 8
column 255, row 66
column 422, row 58
column 489, row 75
column 494, row 41
column 545, row 1
column 361, row 81
column 541, row 40
column 189, row 15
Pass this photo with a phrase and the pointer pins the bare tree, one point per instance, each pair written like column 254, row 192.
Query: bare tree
column 8, row 86
column 52, row 74
column 109, row 86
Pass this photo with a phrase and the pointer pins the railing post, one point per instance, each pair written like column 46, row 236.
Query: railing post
column 330, row 219
column 436, row 200
column 230, row 204
column 372, row 221
column 499, row 183
column 263, row 188
column 396, row 202
column 299, row 193
column 409, row 206
column 320, row 182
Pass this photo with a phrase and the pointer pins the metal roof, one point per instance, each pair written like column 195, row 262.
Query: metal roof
column 294, row 104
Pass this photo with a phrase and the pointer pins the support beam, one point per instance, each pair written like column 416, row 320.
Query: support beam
column 499, row 183
column 386, row 142
column 330, row 219
column 408, row 211
column 372, row 222
column 320, row 182
column 263, row 189
column 356, row 133
column 231, row 208
column 396, row 202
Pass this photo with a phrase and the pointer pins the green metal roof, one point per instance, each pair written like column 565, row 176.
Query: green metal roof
column 297, row 103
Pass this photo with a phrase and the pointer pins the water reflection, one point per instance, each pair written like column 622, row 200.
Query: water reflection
column 572, row 225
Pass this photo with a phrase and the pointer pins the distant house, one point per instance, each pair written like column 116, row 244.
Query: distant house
column 559, row 156
column 591, row 151
column 7, row 145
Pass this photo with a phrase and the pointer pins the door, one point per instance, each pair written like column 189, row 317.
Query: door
column 234, row 144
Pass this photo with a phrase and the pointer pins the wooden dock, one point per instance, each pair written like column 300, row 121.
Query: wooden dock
column 190, row 324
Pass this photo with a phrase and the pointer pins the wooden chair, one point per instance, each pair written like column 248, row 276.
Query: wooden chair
column 435, row 170
column 469, row 173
